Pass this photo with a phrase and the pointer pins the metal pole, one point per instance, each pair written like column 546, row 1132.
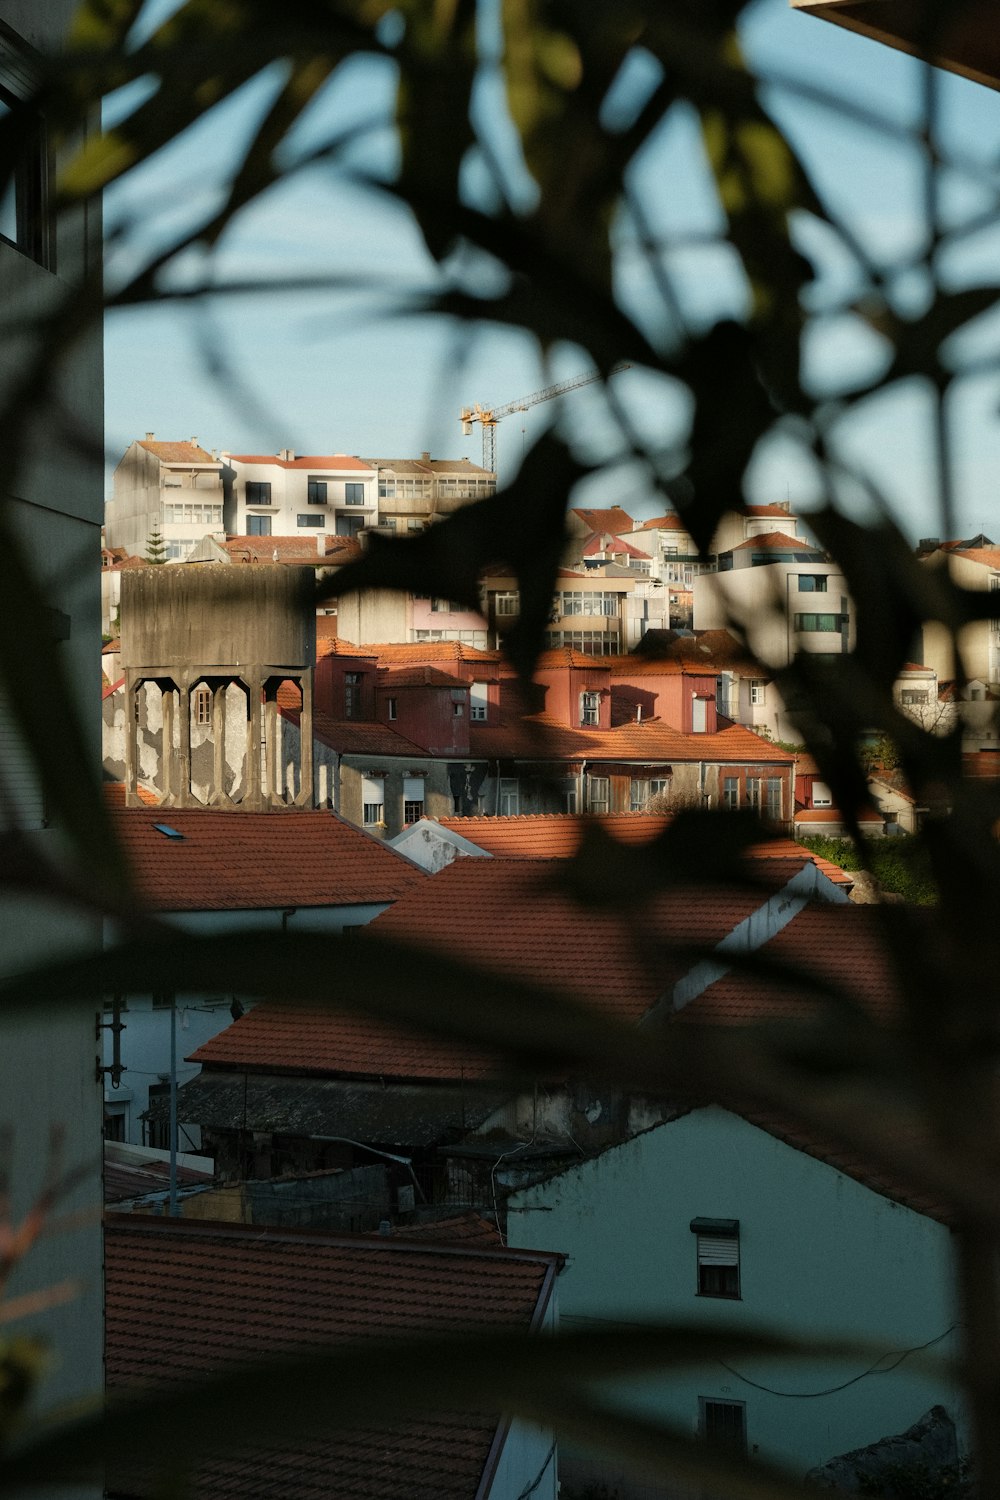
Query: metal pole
column 173, row 1106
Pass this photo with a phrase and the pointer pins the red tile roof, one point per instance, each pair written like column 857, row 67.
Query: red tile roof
column 188, row 1300
column 614, row 545
column 978, row 764
column 321, row 1043
column 412, row 653
column 360, row 736
column 467, row 1228
column 289, row 549
column 243, row 861
column 177, row 453
column 778, row 540
column 307, row 461
column 543, row 737
column 767, row 510
column 133, row 1179
column 663, row 523
column 707, row 649
column 424, row 676
column 614, row 520
column 557, row 836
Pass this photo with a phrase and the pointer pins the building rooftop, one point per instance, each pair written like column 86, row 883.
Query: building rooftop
column 189, row 1300
column 317, row 461
column 233, row 861
column 613, row 520
column 178, row 453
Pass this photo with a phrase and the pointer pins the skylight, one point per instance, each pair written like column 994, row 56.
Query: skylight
column 167, row 831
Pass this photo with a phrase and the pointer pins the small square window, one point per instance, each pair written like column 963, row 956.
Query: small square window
column 258, row 492
column 203, row 705
column 718, row 1257
column 316, row 492
column 723, row 1424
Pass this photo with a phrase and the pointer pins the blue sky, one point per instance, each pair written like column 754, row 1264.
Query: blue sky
column 326, row 372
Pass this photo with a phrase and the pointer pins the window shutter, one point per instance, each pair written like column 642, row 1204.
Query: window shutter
column 718, row 1250
column 373, row 788
column 21, row 801
column 413, row 788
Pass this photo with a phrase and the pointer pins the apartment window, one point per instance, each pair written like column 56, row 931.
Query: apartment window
column 414, row 524
column 569, row 800
column 478, row 700
column 163, row 1002
column 723, row 1424
column 758, row 692
column 774, row 798
column 821, row 795
column 373, row 800
column 812, row 583
column 413, row 798
column 203, row 705
column 753, row 791
column 582, row 602
column 596, row 642
column 817, row 622
column 441, row 606
column 914, row 697
column 599, row 794
column 731, row 791
column 114, row 1122
column 508, row 604
column 258, row 492
column 457, row 708
column 509, row 798
column 354, row 494
column 316, row 492
column 590, row 709
column 310, row 520
column 352, row 695
column 659, row 787
column 393, row 708
column 258, row 525
column 24, row 217
column 717, row 1253
column 349, row 525
column 638, row 796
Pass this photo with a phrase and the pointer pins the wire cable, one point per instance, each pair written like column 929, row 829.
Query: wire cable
column 833, row 1389
column 533, row 1486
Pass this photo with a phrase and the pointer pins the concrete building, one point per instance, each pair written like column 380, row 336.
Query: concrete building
column 414, row 492
column 288, row 494
column 174, row 488
column 54, row 503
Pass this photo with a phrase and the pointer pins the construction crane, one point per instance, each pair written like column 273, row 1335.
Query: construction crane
column 489, row 416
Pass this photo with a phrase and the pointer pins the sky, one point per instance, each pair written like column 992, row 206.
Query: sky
column 331, row 372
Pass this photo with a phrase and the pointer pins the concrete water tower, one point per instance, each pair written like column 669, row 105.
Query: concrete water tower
column 207, row 651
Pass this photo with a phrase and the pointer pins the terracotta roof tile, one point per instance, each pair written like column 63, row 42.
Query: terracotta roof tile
column 663, row 523
column 235, row 861
column 469, row 1228
column 543, row 737
column 361, row 736
column 412, row 653
column 767, row 510
column 187, row 1300
column 431, row 466
column 614, row 545
column 289, row 549
column 321, row 461
column 779, row 541
column 178, row 453
column 423, row 676
column 613, row 520
column 557, row 836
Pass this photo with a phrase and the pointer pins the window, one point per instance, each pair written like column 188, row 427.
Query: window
column 638, row 796
column 258, row 492
column 599, row 794
column 723, row 1424
column 352, row 695
column 660, row 787
column 354, row 494
column 413, row 798
column 349, row 525
column 393, row 708
column 203, row 705
column 310, row 520
column 509, row 799
column 457, row 708
column 753, row 791
column 590, row 709
column 812, row 583
column 414, row 524
column 817, row 622
column 582, row 602
column 24, row 221
column 717, row 1243
column 441, row 606
column 478, row 700
column 596, row 642
column 157, row 1132
column 508, row 604
column 114, row 1122
column 258, row 525
column 569, row 800
column 914, row 696
column 316, row 492
column 163, row 1002
column 373, row 800
column 731, row 791
column 774, row 798
column 758, row 692
column 821, row 795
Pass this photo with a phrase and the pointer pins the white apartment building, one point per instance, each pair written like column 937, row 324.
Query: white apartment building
column 174, row 488
column 288, row 494
column 783, row 593
column 412, row 492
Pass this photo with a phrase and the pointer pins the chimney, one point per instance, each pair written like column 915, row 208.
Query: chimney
column 194, row 442
column 150, row 436
column 426, row 458
column 321, row 543
column 288, row 454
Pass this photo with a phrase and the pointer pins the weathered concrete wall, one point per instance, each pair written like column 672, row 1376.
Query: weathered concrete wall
column 218, row 619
